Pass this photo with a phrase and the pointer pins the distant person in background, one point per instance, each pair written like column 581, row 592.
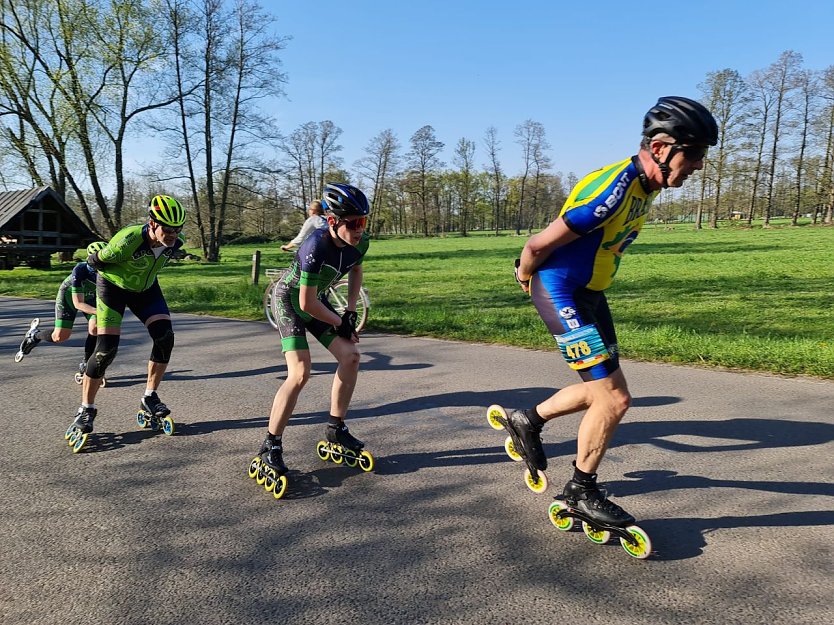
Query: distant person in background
column 314, row 221
column 566, row 269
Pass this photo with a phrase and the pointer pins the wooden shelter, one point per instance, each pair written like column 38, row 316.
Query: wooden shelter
column 36, row 223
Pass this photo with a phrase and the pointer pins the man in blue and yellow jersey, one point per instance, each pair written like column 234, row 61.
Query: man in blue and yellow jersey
column 566, row 269
column 127, row 269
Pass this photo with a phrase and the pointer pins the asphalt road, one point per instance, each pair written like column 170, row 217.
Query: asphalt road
column 731, row 475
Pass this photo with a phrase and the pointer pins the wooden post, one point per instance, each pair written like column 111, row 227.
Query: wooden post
column 256, row 266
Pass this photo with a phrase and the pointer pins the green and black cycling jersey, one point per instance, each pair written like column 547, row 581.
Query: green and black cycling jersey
column 320, row 263
column 129, row 261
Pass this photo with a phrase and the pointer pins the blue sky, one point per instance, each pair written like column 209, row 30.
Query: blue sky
column 586, row 70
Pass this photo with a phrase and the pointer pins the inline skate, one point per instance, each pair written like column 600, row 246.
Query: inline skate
column 29, row 341
column 523, row 444
column 342, row 446
column 78, row 431
column 153, row 414
column 600, row 518
column 268, row 468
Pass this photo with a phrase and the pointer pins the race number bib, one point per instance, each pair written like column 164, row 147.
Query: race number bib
column 583, row 348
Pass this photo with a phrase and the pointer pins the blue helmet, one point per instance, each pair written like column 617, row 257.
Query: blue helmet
column 344, row 200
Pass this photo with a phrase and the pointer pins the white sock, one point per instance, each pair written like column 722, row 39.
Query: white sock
column 149, row 392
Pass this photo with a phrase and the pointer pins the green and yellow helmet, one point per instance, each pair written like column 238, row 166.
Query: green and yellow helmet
column 94, row 247
column 165, row 210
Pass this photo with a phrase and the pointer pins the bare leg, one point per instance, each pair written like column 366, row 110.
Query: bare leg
column 344, row 382
column 609, row 401
column 298, row 372
column 155, row 372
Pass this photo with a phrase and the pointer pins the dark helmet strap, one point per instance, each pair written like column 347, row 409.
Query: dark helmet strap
column 664, row 168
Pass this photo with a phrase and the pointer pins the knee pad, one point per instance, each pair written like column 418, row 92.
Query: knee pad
column 163, row 340
column 107, row 345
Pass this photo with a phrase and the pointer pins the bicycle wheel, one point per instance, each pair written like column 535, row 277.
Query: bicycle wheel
column 338, row 296
column 268, row 305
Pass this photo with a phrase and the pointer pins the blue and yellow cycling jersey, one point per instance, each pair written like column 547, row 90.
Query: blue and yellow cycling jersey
column 607, row 208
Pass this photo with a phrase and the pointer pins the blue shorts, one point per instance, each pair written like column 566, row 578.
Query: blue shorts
column 567, row 309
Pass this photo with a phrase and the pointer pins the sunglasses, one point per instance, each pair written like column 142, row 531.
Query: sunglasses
column 692, row 153
column 169, row 229
column 355, row 224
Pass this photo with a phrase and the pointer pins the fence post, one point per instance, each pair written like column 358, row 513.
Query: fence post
column 256, row 266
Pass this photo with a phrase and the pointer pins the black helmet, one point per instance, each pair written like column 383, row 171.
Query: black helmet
column 688, row 121
column 344, row 200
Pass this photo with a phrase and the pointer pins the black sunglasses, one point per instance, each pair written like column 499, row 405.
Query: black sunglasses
column 692, row 153
column 169, row 229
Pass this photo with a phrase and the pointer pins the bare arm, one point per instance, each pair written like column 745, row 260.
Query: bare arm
column 541, row 245
column 313, row 306
column 80, row 304
column 354, row 284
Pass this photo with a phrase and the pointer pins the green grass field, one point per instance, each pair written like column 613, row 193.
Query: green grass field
column 757, row 299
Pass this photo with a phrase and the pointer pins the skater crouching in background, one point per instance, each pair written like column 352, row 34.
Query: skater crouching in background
column 76, row 293
column 566, row 268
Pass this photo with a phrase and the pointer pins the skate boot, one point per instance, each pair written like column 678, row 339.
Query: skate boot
column 153, row 414
column 29, row 341
column 523, row 443
column 600, row 518
column 268, row 468
column 77, row 433
column 342, row 446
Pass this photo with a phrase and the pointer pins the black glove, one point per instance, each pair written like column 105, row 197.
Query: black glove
column 347, row 328
column 522, row 282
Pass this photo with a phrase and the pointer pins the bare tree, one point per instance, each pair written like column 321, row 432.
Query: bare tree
column 494, row 167
column 727, row 96
column 529, row 135
column 423, row 162
column 380, row 163
column 807, row 90
column 464, row 160
column 781, row 78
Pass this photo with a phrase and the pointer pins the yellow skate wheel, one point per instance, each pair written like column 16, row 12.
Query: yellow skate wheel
column 269, row 482
column 280, row 487
column 79, row 377
column 536, row 486
column 643, row 548
column 103, row 382
column 141, row 421
column 260, row 478
column 73, row 436
column 496, row 411
column 366, row 461
column 68, row 433
column 254, row 466
column 336, row 454
column 168, row 426
column 350, row 458
column 509, row 447
column 323, row 450
column 79, row 443
column 564, row 523
column 599, row 537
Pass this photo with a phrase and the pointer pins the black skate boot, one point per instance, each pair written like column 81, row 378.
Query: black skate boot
column 154, row 407
column 84, row 419
column 272, row 454
column 77, row 432
column 268, row 468
column 527, row 439
column 339, row 434
column 29, row 341
column 592, row 502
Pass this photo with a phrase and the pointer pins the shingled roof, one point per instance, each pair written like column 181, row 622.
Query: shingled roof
column 39, row 218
